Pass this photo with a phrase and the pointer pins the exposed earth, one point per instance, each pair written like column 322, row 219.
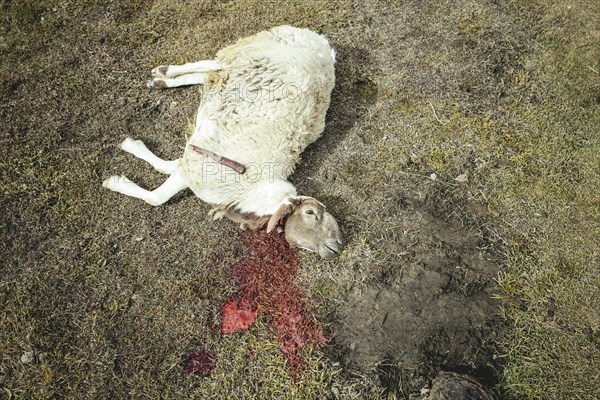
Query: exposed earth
column 431, row 306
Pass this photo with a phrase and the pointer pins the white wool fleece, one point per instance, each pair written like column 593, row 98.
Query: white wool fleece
column 262, row 109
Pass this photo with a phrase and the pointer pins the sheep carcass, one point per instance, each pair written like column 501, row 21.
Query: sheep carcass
column 264, row 100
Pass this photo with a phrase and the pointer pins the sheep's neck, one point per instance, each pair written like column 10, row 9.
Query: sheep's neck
column 266, row 197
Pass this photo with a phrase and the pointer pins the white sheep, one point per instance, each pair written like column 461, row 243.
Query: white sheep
column 264, row 101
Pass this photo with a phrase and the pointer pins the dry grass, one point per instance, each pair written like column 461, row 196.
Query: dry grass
column 108, row 295
column 550, row 200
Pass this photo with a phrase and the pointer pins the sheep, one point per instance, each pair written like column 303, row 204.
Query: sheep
column 264, row 101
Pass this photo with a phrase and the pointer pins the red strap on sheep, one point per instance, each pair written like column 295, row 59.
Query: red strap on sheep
column 234, row 165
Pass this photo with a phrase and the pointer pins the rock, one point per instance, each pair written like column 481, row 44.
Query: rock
column 462, row 178
column 335, row 391
column 453, row 386
column 27, row 357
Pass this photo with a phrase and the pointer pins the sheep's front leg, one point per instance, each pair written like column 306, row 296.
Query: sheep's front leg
column 139, row 149
column 246, row 221
column 173, row 185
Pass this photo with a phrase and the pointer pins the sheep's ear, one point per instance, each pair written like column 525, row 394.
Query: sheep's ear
column 283, row 211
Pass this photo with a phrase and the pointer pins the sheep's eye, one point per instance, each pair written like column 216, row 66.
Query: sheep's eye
column 309, row 212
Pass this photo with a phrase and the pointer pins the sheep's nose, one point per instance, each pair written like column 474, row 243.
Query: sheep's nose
column 331, row 249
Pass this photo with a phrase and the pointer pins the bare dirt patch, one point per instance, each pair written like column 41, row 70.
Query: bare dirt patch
column 430, row 308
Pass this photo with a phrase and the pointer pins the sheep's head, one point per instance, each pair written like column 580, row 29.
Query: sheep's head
column 309, row 226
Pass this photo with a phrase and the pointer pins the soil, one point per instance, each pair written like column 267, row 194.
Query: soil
column 431, row 307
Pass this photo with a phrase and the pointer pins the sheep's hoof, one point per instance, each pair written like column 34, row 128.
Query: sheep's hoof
column 160, row 71
column 217, row 213
column 130, row 145
column 113, row 182
column 157, row 83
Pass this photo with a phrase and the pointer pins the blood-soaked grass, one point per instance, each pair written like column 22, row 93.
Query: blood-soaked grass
column 265, row 277
column 200, row 362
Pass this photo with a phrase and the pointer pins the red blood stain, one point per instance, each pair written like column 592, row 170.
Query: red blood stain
column 201, row 362
column 265, row 278
column 237, row 316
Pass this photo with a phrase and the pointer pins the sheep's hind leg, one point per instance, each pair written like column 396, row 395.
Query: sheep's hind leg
column 166, row 76
column 171, row 71
column 173, row 185
column 139, row 149
column 197, row 78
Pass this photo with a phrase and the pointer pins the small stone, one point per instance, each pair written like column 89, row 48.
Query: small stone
column 433, row 176
column 462, row 178
column 27, row 357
